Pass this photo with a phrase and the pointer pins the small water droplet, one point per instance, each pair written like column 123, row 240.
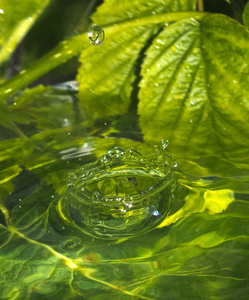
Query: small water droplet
column 20, row 199
column 235, row 81
column 7, row 91
column 1, row 11
column 57, row 55
column 96, row 35
column 52, row 196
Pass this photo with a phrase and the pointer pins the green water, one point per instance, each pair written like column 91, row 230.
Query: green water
column 80, row 220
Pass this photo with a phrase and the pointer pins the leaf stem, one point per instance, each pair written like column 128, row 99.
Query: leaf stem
column 76, row 44
column 200, row 5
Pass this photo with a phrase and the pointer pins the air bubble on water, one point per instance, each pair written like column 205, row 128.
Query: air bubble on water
column 96, row 35
column 70, row 244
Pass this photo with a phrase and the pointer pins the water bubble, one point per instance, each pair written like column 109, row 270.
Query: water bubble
column 96, row 35
column 70, row 244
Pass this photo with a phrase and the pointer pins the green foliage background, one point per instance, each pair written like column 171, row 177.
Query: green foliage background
column 166, row 70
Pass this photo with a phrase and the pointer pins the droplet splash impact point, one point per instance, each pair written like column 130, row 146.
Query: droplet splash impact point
column 96, row 35
column 121, row 195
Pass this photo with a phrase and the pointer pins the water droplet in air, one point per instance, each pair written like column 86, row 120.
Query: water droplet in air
column 96, row 35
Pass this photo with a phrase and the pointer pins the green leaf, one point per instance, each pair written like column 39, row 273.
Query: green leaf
column 113, row 11
column 104, row 95
column 74, row 45
column 246, row 14
column 15, row 21
column 194, row 90
column 110, row 68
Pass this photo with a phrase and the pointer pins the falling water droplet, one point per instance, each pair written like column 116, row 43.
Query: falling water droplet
column 96, row 35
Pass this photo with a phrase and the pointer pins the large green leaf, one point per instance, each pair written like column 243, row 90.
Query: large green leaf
column 164, row 12
column 15, row 21
column 113, row 11
column 194, row 89
column 110, row 68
